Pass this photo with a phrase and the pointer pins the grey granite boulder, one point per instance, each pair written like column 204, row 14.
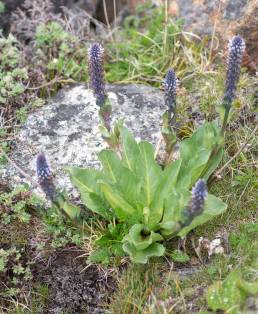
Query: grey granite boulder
column 66, row 129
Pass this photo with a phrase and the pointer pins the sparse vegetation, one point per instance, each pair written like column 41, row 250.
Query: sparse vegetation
column 186, row 281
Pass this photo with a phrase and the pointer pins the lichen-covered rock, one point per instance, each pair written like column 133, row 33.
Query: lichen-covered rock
column 67, row 128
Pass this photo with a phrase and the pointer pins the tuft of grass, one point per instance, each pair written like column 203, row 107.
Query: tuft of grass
column 39, row 299
column 150, row 44
column 136, row 286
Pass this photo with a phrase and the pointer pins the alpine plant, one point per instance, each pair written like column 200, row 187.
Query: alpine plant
column 236, row 50
column 146, row 201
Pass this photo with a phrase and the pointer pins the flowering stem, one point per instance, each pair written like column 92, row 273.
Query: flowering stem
column 97, row 83
column 169, row 117
column 225, row 119
column 105, row 115
column 196, row 204
column 236, row 50
column 170, row 86
column 45, row 180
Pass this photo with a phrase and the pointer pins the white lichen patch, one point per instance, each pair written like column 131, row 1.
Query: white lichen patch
column 67, row 129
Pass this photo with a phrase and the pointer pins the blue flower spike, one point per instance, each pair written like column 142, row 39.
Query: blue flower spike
column 97, row 83
column 236, row 48
column 170, row 88
column 45, row 177
column 96, row 72
column 197, row 201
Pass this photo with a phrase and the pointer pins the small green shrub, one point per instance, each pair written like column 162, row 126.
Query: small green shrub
column 62, row 53
column 12, row 77
column 14, row 270
column 15, row 220
column 15, row 205
column 10, row 54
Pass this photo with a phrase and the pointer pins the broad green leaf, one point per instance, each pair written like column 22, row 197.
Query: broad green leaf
column 86, row 181
column 111, row 164
column 155, row 249
column 212, row 164
column 174, row 205
column 121, row 207
column 164, row 189
column 134, row 188
column 195, row 153
column 130, row 150
column 121, row 177
column 97, row 204
column 140, row 241
column 213, row 207
column 169, row 228
column 193, row 162
column 150, row 172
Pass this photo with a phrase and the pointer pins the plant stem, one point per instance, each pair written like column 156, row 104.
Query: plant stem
column 225, row 120
column 105, row 115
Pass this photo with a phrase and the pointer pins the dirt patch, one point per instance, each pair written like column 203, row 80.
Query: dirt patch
column 73, row 287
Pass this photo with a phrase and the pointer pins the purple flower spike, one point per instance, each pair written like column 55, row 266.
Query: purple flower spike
column 196, row 204
column 199, row 194
column 236, row 50
column 45, row 178
column 170, row 86
column 96, row 72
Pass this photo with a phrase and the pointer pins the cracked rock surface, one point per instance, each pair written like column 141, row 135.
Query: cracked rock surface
column 67, row 129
